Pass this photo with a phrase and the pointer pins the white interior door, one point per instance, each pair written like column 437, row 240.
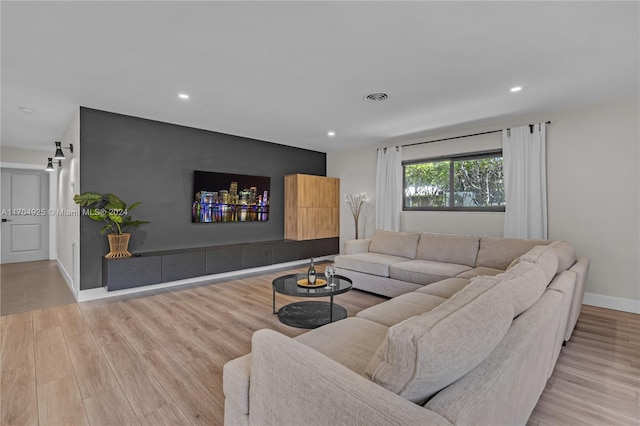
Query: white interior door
column 24, row 205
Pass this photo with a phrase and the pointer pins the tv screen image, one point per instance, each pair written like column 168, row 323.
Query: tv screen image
column 229, row 197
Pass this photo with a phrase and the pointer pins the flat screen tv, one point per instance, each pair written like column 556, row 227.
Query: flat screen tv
column 229, row 197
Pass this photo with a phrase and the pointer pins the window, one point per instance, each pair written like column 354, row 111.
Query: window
column 472, row 182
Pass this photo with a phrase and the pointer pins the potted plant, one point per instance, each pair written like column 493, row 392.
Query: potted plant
column 114, row 212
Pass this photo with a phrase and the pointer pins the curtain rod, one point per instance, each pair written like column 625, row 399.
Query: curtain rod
column 460, row 137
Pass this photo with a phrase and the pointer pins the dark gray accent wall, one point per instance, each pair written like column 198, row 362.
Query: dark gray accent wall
column 153, row 162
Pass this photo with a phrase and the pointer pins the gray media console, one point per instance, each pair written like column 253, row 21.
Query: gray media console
column 165, row 266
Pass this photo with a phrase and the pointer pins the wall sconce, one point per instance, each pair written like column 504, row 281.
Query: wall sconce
column 50, row 167
column 59, row 155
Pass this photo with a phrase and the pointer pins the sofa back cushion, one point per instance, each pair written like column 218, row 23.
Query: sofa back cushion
column 525, row 281
column 460, row 249
column 545, row 257
column 425, row 353
column 403, row 244
column 497, row 252
column 566, row 254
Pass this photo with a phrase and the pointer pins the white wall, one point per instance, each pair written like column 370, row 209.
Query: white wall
column 68, row 226
column 26, row 156
column 593, row 190
column 356, row 170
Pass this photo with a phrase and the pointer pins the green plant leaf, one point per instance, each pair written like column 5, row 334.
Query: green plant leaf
column 114, row 217
column 115, row 203
column 134, row 205
column 137, row 222
column 87, row 198
column 112, row 198
column 97, row 214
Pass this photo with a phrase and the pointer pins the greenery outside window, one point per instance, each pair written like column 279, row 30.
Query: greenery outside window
column 470, row 182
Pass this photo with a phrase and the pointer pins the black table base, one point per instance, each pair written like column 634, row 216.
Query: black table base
column 310, row 314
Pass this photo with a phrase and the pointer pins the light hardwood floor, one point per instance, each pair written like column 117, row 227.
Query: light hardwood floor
column 157, row 358
column 28, row 286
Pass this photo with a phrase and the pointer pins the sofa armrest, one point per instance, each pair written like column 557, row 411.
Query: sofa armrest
column 357, row 246
column 235, row 385
column 581, row 267
column 293, row 384
column 565, row 284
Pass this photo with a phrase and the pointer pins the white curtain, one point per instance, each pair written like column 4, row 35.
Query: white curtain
column 389, row 188
column 525, row 181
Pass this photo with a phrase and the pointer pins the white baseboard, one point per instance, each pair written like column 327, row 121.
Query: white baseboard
column 67, row 279
column 102, row 293
column 609, row 302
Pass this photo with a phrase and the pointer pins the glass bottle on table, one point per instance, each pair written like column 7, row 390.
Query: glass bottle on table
column 311, row 274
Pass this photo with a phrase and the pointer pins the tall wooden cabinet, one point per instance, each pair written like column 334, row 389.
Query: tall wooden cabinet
column 311, row 207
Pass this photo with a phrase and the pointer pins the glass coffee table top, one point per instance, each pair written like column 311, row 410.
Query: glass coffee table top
column 310, row 314
column 288, row 284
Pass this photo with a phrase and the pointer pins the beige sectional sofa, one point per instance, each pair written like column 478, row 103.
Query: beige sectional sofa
column 395, row 263
column 470, row 338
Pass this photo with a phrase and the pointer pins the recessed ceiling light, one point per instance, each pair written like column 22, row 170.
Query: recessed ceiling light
column 516, row 89
column 27, row 110
column 183, row 96
column 331, row 133
column 376, row 97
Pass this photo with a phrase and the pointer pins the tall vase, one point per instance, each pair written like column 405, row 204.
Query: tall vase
column 355, row 218
column 355, row 203
column 118, row 246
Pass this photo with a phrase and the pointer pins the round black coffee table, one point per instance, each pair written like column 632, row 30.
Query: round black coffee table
column 311, row 314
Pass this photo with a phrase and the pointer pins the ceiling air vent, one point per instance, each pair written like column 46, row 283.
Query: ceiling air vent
column 376, row 97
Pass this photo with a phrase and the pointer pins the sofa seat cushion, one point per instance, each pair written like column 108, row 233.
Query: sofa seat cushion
column 350, row 342
column 497, row 252
column 480, row 270
column 425, row 271
column 368, row 263
column 400, row 308
column 403, row 244
column 426, row 353
column 460, row 249
column 445, row 288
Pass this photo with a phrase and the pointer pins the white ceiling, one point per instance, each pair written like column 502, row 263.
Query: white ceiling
column 288, row 72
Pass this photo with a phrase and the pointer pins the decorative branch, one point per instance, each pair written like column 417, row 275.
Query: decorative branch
column 355, row 203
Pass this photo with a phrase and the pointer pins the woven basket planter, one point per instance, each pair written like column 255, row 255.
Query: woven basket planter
column 118, row 246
